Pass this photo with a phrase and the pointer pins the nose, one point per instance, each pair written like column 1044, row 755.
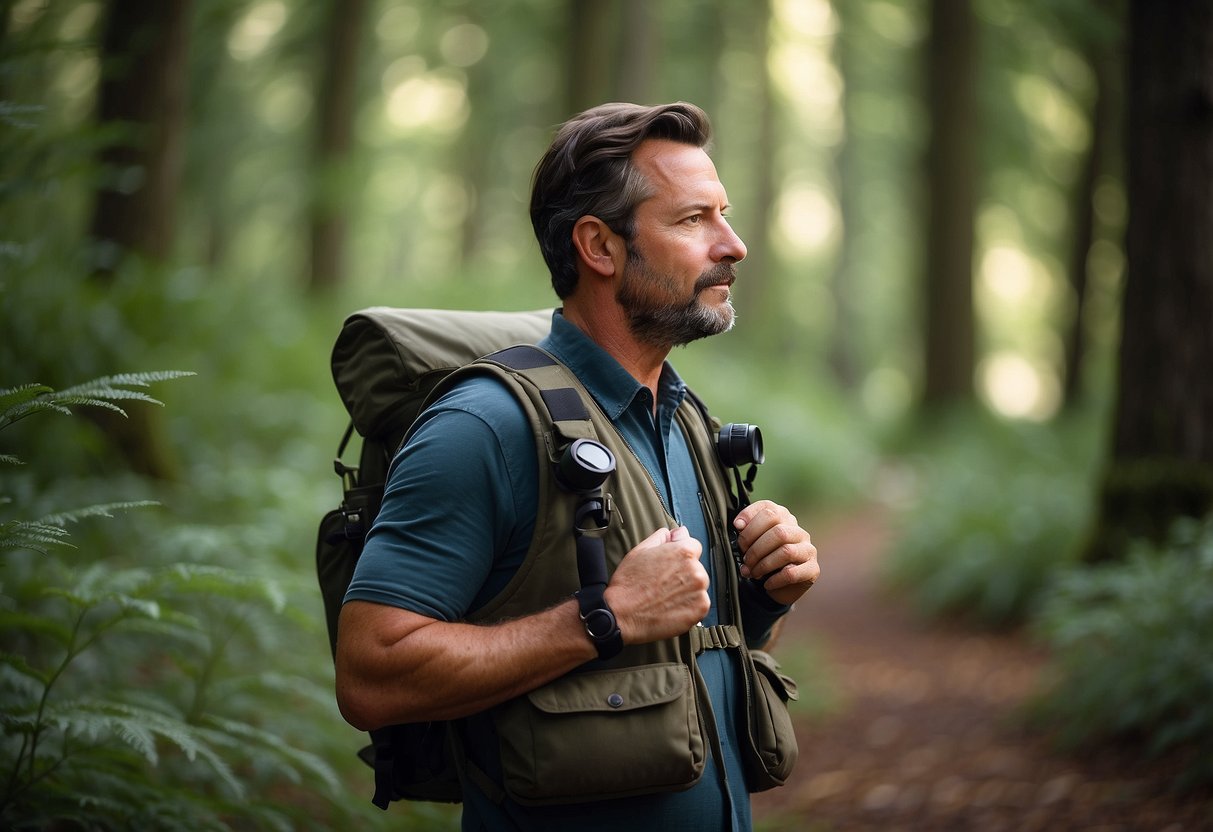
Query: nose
column 729, row 246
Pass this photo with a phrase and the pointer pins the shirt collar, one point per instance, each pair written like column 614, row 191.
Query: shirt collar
column 612, row 387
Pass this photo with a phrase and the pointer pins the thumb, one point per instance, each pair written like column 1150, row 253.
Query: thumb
column 680, row 533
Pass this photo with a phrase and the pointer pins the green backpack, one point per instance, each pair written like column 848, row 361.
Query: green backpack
column 385, row 362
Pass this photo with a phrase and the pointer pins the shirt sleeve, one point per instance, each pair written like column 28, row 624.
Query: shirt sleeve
column 758, row 614
column 459, row 507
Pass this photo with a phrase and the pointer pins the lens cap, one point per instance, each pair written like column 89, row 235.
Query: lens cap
column 585, row 466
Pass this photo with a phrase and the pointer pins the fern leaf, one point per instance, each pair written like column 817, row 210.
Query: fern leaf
column 62, row 518
column 92, row 388
column 30, row 534
column 14, row 621
column 9, row 459
column 13, row 396
column 17, row 673
column 294, row 758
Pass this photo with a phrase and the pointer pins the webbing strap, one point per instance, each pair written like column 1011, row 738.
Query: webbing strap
column 716, row 637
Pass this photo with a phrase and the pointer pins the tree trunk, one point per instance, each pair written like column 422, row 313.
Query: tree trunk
column 949, row 327
column 143, row 93
column 842, row 349
column 591, row 34
column 1105, row 121
column 336, row 103
column 1161, row 462
column 639, row 52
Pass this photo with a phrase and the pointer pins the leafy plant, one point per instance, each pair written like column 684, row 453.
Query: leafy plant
column 121, row 700
column 1130, row 643
column 997, row 511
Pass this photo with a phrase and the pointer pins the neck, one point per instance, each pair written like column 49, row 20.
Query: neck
column 607, row 327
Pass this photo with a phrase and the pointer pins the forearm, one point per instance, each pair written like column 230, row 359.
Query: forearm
column 394, row 666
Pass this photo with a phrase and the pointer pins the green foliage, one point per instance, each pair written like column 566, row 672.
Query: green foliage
column 120, row 703
column 1131, row 647
column 996, row 511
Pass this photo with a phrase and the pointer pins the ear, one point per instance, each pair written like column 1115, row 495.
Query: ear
column 596, row 245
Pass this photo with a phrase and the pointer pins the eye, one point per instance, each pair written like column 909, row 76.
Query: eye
column 694, row 219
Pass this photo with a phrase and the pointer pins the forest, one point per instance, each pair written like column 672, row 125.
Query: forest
column 976, row 305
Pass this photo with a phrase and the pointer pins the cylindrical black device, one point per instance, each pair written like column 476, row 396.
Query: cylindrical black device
column 585, row 466
column 739, row 444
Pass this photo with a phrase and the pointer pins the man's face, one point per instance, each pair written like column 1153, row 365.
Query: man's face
column 680, row 263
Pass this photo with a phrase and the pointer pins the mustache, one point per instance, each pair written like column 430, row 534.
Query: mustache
column 722, row 274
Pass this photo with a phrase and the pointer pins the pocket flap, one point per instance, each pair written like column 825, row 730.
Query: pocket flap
column 765, row 664
column 613, row 690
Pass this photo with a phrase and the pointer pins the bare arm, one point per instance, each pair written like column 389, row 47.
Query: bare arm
column 399, row 666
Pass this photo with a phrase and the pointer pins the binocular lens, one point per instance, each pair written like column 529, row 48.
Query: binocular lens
column 739, row 444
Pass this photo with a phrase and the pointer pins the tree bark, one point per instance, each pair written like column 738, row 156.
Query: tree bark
column 950, row 165
column 1160, row 465
column 591, row 34
column 143, row 93
column 1104, row 59
column 336, row 101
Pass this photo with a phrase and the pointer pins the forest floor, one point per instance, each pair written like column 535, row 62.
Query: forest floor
column 926, row 734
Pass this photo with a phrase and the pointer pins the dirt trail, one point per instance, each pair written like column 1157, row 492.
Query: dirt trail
column 925, row 738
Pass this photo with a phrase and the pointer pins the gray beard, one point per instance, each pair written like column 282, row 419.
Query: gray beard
column 672, row 324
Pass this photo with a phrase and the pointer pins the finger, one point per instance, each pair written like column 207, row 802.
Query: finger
column 657, row 538
column 680, row 533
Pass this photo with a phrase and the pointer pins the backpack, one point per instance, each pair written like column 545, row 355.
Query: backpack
column 385, row 363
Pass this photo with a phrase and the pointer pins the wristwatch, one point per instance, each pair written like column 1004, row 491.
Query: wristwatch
column 600, row 623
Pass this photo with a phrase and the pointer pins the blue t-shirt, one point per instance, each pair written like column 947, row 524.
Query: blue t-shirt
column 457, row 518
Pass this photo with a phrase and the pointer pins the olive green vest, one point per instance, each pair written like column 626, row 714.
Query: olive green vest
column 645, row 712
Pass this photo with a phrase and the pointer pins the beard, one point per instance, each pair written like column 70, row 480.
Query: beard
column 657, row 316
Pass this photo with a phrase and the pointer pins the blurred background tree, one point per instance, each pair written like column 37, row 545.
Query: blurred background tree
column 936, row 197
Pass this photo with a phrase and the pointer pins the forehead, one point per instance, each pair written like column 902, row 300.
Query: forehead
column 678, row 173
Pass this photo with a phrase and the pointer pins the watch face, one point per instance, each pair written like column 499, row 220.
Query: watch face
column 599, row 623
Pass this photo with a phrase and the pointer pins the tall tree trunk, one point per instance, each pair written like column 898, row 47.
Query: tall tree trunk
column 142, row 93
column 841, row 355
column 1161, row 461
column 951, row 153
column 639, row 52
column 756, row 295
column 591, row 33
column 1104, row 124
column 336, row 104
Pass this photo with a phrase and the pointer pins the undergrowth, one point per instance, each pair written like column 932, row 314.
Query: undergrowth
column 1130, row 645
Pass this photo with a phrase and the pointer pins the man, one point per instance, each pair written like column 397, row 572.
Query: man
column 631, row 219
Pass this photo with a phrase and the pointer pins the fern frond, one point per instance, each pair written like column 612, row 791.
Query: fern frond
column 16, row 621
column 19, row 402
column 62, row 518
column 10, row 397
column 31, row 534
column 201, row 578
column 97, row 385
column 17, row 674
column 9, row 459
column 294, row 759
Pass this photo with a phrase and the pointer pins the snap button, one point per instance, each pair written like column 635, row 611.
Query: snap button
column 615, row 700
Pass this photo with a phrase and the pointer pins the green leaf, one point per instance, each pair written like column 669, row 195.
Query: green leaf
column 13, row 396
column 62, row 518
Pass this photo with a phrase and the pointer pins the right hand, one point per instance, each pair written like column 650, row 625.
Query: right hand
column 660, row 589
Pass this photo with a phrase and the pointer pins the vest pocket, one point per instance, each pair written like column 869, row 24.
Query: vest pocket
column 772, row 751
column 602, row 734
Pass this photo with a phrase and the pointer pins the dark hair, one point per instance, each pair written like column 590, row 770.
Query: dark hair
column 588, row 171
